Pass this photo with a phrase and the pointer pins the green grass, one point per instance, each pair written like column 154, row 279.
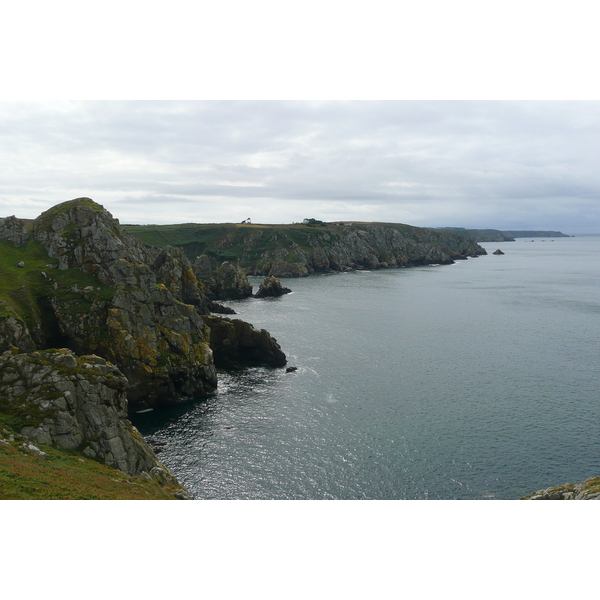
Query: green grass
column 63, row 475
column 27, row 292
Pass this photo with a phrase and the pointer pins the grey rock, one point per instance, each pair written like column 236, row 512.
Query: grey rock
column 585, row 490
column 14, row 230
column 223, row 282
column 270, row 287
column 73, row 411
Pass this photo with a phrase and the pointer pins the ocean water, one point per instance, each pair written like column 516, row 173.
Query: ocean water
column 477, row 380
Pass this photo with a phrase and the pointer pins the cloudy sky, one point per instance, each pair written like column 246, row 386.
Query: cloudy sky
column 497, row 164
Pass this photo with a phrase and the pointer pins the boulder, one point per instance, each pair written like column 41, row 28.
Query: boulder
column 270, row 287
column 498, row 252
column 237, row 344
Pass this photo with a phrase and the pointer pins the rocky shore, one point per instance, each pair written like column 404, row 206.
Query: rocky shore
column 585, row 490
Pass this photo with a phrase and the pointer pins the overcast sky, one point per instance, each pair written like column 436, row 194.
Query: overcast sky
column 504, row 165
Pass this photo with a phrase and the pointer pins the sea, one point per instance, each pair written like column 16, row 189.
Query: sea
column 472, row 381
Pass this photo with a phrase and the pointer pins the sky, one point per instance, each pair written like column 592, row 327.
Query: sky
column 487, row 164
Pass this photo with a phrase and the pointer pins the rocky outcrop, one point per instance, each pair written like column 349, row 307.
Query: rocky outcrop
column 14, row 230
column 225, row 282
column 138, row 307
column 270, row 287
column 147, row 322
column 174, row 270
column 77, row 403
column 237, row 344
column 498, row 252
column 82, row 235
column 14, row 334
column 585, row 490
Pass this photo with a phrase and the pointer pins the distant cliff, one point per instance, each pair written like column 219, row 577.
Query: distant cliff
column 495, row 235
column 301, row 249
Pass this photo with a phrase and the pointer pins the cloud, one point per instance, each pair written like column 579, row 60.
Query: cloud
column 454, row 163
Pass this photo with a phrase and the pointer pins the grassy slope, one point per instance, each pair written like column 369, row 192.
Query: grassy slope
column 63, row 475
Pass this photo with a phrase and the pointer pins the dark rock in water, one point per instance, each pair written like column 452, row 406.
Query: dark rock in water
column 270, row 287
column 216, row 307
column 498, row 252
column 237, row 344
column 291, row 369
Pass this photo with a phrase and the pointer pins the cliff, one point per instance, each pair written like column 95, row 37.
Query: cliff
column 303, row 249
column 495, row 235
column 93, row 323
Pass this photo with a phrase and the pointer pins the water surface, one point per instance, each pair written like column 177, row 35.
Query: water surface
column 476, row 380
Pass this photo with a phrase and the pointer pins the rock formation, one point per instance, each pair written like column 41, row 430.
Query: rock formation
column 237, row 344
column 109, row 325
column 498, row 252
column 138, row 307
column 14, row 230
column 270, row 287
column 14, row 333
column 224, row 282
column 585, row 490
column 77, row 403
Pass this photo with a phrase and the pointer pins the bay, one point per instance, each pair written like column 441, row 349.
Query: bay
column 476, row 380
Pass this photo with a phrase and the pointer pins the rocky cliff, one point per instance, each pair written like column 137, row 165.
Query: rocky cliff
column 300, row 249
column 142, row 317
column 138, row 307
column 222, row 282
column 93, row 323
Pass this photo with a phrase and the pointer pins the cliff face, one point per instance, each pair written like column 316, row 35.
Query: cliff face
column 138, row 307
column 145, row 320
column 300, row 250
column 224, row 282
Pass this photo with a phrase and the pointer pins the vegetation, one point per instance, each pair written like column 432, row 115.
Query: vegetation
column 27, row 290
column 68, row 475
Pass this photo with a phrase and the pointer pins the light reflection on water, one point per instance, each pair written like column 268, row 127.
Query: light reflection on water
column 474, row 381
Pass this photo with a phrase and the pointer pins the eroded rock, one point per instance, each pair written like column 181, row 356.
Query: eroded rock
column 270, row 287
column 73, row 402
